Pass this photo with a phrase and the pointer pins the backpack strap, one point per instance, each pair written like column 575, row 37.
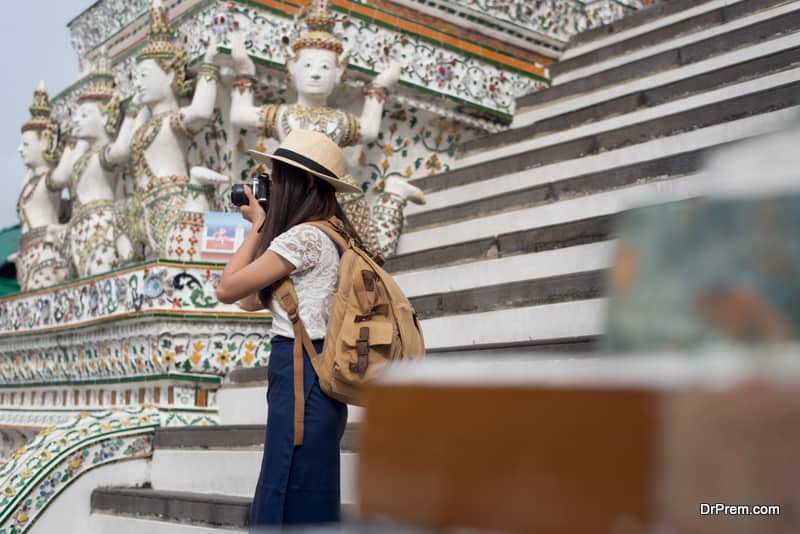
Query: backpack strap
column 285, row 293
column 334, row 229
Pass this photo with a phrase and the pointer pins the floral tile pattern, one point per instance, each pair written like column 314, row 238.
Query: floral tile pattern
column 149, row 288
column 36, row 473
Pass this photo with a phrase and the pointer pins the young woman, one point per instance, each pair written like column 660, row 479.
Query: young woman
column 298, row 484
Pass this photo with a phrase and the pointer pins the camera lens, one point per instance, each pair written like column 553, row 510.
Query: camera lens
column 238, row 196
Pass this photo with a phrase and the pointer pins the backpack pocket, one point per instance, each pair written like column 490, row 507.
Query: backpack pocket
column 367, row 346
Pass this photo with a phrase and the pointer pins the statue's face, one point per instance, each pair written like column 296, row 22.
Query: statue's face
column 90, row 123
column 152, row 83
column 315, row 71
column 31, row 149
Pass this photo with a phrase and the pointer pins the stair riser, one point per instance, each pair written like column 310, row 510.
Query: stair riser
column 247, row 405
column 650, row 151
column 667, row 59
column 197, row 510
column 659, row 15
column 227, row 472
column 522, row 242
column 665, row 34
column 596, row 182
column 705, row 116
column 504, row 270
column 564, row 288
column 563, row 322
column 232, row 437
column 118, row 524
column 598, row 205
column 630, row 103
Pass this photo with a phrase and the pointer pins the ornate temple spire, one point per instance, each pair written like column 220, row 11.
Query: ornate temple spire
column 101, row 80
column 40, row 111
column 320, row 22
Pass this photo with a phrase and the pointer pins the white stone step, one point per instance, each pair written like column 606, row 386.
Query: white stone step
column 646, row 28
column 650, row 150
column 548, row 214
column 564, row 320
column 675, row 43
column 581, row 258
column 640, row 116
column 533, row 114
column 231, row 472
column 118, row 524
column 247, row 405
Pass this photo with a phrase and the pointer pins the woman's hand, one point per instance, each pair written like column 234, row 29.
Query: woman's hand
column 253, row 212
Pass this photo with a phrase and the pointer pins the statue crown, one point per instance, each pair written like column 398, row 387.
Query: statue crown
column 101, row 80
column 160, row 36
column 320, row 22
column 40, row 112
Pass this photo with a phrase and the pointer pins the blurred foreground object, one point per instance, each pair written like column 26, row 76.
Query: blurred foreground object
column 722, row 268
column 583, row 446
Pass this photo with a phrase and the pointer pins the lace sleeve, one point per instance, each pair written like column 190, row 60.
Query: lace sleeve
column 301, row 245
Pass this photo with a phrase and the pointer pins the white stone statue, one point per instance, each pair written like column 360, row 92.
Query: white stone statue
column 91, row 169
column 40, row 261
column 316, row 66
column 165, row 197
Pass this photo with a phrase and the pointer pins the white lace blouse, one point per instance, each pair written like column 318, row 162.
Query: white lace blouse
column 316, row 261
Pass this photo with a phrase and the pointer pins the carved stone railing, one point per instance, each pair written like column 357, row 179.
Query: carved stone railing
column 39, row 471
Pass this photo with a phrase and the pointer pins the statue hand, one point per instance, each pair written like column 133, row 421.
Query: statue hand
column 242, row 63
column 205, row 176
column 388, row 78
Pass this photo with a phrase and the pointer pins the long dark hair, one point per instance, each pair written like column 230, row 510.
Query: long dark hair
column 297, row 197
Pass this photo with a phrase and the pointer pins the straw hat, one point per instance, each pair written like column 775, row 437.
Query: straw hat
column 313, row 152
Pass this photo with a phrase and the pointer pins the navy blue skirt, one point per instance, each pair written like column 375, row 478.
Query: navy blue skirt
column 298, row 485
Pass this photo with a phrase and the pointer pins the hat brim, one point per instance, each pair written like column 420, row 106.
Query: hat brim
column 339, row 185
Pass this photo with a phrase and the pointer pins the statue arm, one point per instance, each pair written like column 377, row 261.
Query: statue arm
column 244, row 112
column 370, row 122
column 197, row 114
column 119, row 151
column 375, row 96
column 59, row 178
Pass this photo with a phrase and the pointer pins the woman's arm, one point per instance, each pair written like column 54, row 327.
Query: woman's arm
column 251, row 303
column 245, row 276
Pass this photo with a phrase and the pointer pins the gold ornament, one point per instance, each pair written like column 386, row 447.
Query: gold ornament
column 161, row 48
column 320, row 23
column 102, row 90
column 43, row 124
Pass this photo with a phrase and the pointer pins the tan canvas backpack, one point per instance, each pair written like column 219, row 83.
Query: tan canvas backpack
column 371, row 323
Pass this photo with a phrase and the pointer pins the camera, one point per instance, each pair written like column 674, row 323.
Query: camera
column 260, row 191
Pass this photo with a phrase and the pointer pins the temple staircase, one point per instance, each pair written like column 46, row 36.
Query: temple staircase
column 511, row 250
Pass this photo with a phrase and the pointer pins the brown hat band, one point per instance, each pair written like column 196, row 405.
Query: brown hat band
column 306, row 162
